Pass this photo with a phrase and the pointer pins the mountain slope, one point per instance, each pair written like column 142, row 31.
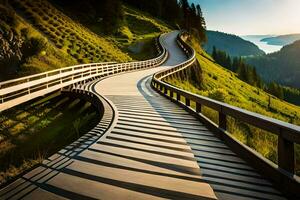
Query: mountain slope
column 282, row 40
column 232, row 44
column 282, row 67
column 24, row 50
column 63, row 41
column 65, row 34
column 223, row 85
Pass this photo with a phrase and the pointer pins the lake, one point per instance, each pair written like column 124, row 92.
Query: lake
column 262, row 45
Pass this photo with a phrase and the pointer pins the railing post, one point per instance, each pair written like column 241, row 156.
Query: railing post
column 171, row 94
column 160, row 87
column 187, row 102
column 286, row 154
column 178, row 97
column 198, row 107
column 222, row 121
column 165, row 91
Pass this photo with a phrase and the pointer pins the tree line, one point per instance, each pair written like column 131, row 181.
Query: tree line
column 247, row 73
column 108, row 13
column 179, row 14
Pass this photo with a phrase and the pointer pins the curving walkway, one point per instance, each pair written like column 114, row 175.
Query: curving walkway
column 145, row 147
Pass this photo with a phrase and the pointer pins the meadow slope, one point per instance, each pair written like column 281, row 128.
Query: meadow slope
column 223, row 85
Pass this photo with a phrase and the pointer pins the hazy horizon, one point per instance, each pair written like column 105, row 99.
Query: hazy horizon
column 252, row 17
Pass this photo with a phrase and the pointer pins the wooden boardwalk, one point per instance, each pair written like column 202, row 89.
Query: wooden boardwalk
column 145, row 147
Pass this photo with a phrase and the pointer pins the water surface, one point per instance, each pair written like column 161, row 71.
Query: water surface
column 256, row 39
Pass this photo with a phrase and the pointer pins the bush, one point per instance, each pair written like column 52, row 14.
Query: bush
column 218, row 94
column 33, row 46
column 124, row 32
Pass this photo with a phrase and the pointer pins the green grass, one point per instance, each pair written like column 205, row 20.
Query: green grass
column 68, row 35
column 31, row 133
column 70, row 43
column 48, row 59
column 224, row 85
column 136, row 34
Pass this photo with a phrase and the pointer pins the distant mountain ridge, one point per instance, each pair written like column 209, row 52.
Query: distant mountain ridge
column 282, row 40
column 282, row 67
column 232, row 44
column 257, row 40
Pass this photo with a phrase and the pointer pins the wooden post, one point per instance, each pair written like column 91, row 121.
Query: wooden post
column 171, row 94
column 187, row 102
column 198, row 107
column 178, row 97
column 222, row 121
column 286, row 155
column 165, row 91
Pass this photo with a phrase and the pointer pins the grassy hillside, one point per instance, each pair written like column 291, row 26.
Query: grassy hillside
column 32, row 54
column 224, row 85
column 67, row 35
column 65, row 41
column 232, row 44
column 138, row 33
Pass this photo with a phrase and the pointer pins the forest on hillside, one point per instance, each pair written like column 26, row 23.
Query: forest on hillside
column 248, row 73
column 281, row 67
column 232, row 44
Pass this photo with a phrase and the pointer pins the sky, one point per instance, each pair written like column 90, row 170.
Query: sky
column 252, row 17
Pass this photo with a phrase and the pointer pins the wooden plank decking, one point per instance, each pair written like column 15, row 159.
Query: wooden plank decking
column 150, row 149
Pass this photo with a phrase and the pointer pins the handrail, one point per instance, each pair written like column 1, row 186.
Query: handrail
column 17, row 91
column 24, row 79
column 288, row 134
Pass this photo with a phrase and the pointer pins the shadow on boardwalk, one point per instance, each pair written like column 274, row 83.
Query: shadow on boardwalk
column 229, row 176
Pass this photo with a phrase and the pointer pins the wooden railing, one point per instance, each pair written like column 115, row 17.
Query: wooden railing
column 20, row 90
column 288, row 134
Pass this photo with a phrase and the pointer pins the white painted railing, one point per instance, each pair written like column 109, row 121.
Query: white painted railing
column 20, row 90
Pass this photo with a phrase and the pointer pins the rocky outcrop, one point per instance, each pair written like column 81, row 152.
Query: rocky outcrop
column 10, row 44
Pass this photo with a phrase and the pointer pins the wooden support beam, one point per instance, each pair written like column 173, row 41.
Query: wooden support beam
column 222, row 121
column 286, row 155
column 187, row 102
column 178, row 97
column 171, row 94
column 198, row 107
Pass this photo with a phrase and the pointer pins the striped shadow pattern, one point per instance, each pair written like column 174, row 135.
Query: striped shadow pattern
column 230, row 176
column 35, row 184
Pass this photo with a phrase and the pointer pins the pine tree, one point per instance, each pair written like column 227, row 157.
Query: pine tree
column 200, row 15
column 276, row 90
column 214, row 53
column 242, row 72
column 113, row 14
column 185, row 10
column 228, row 62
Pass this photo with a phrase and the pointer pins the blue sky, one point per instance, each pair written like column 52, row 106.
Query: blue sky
column 252, row 17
